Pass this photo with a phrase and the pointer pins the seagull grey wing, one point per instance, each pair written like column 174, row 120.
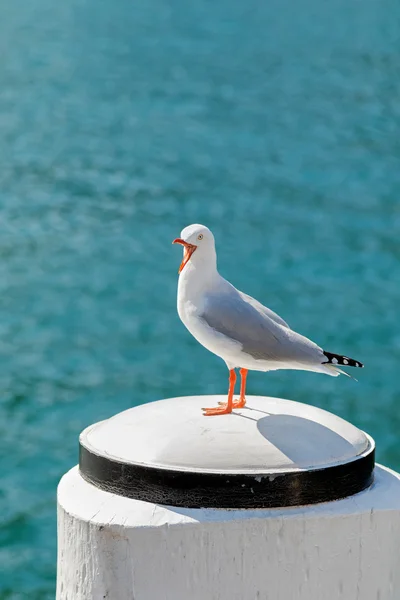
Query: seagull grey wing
column 238, row 320
column 260, row 337
column 264, row 309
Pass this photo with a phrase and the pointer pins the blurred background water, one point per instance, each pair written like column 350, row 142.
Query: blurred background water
column 277, row 125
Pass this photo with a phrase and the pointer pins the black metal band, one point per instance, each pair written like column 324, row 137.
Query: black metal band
column 209, row 490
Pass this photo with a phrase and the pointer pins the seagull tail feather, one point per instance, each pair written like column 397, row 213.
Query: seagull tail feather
column 338, row 359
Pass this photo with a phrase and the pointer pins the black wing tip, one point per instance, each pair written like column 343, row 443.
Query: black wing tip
column 344, row 361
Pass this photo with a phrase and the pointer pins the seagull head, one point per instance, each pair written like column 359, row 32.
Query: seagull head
column 196, row 239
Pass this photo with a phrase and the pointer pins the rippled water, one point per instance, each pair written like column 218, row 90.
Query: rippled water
column 120, row 123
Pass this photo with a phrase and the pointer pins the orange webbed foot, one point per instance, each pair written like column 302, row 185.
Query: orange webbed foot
column 219, row 410
column 240, row 403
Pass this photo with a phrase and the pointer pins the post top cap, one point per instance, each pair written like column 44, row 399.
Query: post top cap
column 271, row 453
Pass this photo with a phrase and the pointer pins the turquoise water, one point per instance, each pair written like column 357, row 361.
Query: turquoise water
column 120, row 123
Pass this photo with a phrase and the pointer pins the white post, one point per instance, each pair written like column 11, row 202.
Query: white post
column 114, row 545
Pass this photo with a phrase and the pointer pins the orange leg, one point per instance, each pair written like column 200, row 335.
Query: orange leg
column 242, row 400
column 225, row 409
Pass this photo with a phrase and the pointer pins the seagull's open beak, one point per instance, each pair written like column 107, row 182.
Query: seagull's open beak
column 188, row 250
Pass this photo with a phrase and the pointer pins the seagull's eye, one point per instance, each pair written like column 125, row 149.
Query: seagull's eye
column 200, row 236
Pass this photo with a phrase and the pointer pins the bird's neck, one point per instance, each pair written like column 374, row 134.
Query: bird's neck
column 197, row 278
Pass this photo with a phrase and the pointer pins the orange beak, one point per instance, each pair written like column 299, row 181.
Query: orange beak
column 188, row 250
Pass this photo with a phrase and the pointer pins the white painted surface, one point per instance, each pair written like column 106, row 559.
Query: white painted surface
column 270, row 434
column 115, row 548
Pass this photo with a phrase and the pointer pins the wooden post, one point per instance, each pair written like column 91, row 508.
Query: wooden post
column 279, row 501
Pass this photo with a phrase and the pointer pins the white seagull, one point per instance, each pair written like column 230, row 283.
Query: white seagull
column 235, row 326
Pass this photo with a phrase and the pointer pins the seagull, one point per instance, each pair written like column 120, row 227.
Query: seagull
column 243, row 332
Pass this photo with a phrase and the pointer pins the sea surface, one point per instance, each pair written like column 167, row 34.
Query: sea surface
column 277, row 124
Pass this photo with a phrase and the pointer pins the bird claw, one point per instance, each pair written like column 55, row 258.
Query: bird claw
column 239, row 403
column 236, row 403
column 221, row 410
